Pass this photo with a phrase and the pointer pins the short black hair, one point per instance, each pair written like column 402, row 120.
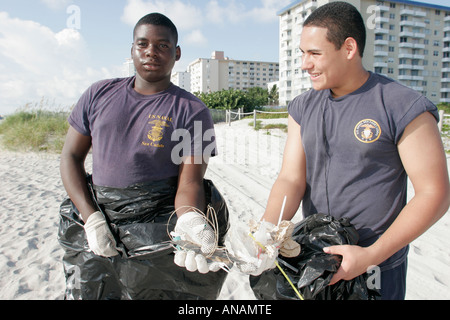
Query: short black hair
column 342, row 20
column 157, row 19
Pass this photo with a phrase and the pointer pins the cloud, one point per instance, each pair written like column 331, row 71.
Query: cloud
column 191, row 19
column 57, row 4
column 231, row 12
column 36, row 62
column 268, row 10
column 185, row 16
column 196, row 37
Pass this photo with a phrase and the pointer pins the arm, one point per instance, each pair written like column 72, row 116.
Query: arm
column 73, row 173
column 190, row 191
column 291, row 181
column 424, row 160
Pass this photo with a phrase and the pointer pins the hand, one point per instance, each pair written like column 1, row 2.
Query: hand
column 195, row 262
column 355, row 261
column 254, row 250
column 193, row 227
column 99, row 236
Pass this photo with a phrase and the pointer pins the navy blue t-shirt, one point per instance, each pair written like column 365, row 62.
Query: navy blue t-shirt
column 353, row 166
column 141, row 138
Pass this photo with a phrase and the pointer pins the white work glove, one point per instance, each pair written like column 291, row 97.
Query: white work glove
column 193, row 228
column 246, row 247
column 99, row 236
column 256, row 250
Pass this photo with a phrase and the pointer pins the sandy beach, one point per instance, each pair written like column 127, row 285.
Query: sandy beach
column 31, row 192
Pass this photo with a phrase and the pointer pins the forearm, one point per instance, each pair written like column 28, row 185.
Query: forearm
column 73, row 176
column 190, row 195
column 283, row 187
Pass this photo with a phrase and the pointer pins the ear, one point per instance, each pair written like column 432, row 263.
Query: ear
column 351, row 48
column 178, row 53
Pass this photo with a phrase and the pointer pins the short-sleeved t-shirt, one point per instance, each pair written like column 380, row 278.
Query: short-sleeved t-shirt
column 141, row 138
column 353, row 166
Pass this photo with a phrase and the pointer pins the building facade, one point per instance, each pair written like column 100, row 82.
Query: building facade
column 182, row 79
column 128, row 68
column 223, row 73
column 407, row 41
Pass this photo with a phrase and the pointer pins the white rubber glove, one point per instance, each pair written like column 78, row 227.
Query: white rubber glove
column 248, row 249
column 195, row 262
column 193, row 227
column 256, row 250
column 99, row 236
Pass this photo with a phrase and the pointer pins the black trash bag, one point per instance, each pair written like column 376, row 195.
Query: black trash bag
column 312, row 270
column 139, row 219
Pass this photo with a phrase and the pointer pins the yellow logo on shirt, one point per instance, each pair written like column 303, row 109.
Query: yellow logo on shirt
column 156, row 133
column 367, row 131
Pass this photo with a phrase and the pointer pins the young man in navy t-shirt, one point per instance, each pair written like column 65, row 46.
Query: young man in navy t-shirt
column 144, row 129
column 353, row 140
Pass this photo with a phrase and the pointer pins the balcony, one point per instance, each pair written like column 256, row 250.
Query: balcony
column 412, row 34
column 412, row 24
column 411, row 45
column 407, row 12
column 380, row 54
column 416, row 13
column 411, row 67
column 380, row 65
column 381, row 42
column 379, row 20
column 411, row 56
column 381, row 31
column 312, row 4
column 410, row 77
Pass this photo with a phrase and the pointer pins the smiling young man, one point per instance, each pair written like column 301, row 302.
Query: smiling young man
column 353, row 141
column 129, row 124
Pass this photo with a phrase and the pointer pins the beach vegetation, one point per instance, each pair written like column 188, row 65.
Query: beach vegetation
column 270, row 126
column 34, row 130
column 232, row 99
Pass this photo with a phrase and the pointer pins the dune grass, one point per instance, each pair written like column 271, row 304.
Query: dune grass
column 34, row 130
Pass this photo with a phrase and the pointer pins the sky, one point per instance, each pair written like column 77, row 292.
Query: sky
column 51, row 51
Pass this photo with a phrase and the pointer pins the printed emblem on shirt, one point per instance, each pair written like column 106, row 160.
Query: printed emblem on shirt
column 367, row 131
column 157, row 128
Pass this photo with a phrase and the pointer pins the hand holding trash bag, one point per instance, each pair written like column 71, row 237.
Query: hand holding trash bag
column 312, row 270
column 100, row 239
column 194, row 228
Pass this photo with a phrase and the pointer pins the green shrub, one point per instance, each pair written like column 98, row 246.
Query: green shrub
column 38, row 130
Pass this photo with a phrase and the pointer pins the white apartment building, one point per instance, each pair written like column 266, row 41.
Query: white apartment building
column 128, row 68
column 182, row 79
column 407, row 41
column 220, row 72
